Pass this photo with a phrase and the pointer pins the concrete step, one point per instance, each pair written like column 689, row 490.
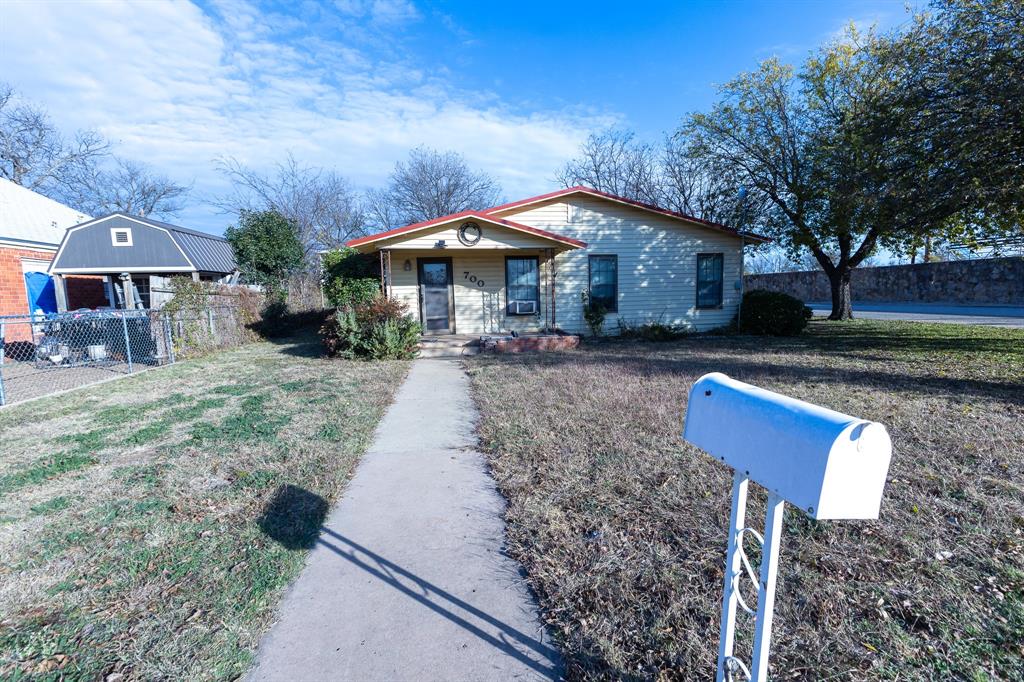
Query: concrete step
column 449, row 346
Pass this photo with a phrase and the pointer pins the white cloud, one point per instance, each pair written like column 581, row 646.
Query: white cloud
column 177, row 87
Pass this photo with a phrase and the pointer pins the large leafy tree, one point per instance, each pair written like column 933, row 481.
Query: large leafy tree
column 881, row 140
column 267, row 249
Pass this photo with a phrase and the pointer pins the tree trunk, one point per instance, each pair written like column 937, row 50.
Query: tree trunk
column 842, row 303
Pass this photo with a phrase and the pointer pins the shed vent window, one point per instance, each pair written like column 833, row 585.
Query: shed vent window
column 121, row 237
column 709, row 280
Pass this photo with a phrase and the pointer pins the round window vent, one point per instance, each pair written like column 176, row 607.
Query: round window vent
column 470, row 233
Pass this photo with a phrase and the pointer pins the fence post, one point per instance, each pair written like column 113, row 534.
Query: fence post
column 3, row 396
column 209, row 319
column 127, row 343
column 169, row 339
column 3, row 348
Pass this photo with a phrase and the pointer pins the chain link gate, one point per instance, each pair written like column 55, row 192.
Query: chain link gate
column 44, row 354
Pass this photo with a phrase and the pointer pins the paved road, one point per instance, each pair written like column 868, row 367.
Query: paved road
column 408, row 580
column 990, row 316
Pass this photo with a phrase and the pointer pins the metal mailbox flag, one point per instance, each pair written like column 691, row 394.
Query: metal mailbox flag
column 828, row 464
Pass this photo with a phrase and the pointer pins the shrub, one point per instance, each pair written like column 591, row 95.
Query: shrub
column 651, row 331
column 350, row 278
column 593, row 313
column 277, row 320
column 773, row 313
column 378, row 330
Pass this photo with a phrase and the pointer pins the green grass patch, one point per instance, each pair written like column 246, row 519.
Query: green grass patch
column 43, row 470
column 179, row 577
column 52, row 505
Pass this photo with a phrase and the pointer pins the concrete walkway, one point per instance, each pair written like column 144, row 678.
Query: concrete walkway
column 408, row 580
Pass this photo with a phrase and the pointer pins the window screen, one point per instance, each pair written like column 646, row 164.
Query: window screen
column 709, row 280
column 522, row 283
column 604, row 281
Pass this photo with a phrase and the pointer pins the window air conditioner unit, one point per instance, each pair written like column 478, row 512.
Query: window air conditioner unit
column 524, row 307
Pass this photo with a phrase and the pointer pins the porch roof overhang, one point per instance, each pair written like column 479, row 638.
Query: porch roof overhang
column 390, row 237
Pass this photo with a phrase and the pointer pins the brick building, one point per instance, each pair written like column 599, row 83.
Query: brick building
column 31, row 229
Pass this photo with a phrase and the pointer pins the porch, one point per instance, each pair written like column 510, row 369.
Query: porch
column 471, row 274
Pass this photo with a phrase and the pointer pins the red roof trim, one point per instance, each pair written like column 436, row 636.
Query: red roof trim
column 638, row 204
column 465, row 214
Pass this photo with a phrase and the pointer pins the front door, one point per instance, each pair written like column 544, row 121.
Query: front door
column 437, row 304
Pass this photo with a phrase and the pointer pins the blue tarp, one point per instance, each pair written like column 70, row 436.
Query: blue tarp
column 41, row 294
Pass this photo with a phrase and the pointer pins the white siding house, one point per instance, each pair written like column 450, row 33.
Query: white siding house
column 523, row 266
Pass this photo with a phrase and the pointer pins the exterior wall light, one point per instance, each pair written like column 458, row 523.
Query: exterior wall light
column 407, row 265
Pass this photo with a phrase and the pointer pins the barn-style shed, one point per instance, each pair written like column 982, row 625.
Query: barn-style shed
column 137, row 256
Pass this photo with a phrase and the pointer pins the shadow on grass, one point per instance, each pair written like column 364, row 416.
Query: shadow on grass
column 293, row 517
column 732, row 355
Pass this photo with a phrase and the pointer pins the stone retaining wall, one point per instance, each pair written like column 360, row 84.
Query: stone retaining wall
column 992, row 281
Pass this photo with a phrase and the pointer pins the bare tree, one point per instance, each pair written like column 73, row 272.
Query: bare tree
column 129, row 187
column 429, row 185
column 33, row 153
column 766, row 260
column 614, row 161
column 672, row 177
column 322, row 204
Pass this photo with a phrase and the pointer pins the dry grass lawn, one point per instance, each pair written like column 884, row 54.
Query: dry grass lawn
column 621, row 526
column 135, row 537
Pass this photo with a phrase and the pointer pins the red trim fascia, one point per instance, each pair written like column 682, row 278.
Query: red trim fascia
column 639, row 204
column 465, row 214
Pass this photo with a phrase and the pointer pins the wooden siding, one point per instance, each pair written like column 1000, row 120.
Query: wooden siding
column 492, row 237
column 479, row 308
column 657, row 262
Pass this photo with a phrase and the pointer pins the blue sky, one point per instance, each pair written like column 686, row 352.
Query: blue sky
column 354, row 84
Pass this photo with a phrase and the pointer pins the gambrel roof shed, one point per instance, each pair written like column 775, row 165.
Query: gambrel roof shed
column 125, row 243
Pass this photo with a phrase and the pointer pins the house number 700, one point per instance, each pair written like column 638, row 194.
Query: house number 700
column 466, row 274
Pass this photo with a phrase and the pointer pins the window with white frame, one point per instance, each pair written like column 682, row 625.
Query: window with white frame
column 121, row 236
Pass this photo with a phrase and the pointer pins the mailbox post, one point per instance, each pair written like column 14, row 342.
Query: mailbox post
column 827, row 464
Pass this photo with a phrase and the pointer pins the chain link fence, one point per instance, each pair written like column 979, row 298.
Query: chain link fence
column 43, row 354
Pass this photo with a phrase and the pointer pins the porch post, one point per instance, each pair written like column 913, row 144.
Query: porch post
column 554, row 279
column 383, row 287
column 388, row 292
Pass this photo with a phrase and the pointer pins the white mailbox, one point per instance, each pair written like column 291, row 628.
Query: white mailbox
column 828, row 464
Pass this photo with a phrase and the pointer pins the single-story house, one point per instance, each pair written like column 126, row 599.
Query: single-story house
column 136, row 257
column 31, row 228
column 523, row 266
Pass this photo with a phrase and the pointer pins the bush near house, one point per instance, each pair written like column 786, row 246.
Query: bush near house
column 773, row 313
column 379, row 330
column 350, row 278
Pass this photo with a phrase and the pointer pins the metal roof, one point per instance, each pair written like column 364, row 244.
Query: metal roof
column 208, row 252
column 29, row 217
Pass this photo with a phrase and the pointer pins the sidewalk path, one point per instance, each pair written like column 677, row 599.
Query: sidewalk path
column 408, row 580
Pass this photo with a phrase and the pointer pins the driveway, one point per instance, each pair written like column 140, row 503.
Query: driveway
column 989, row 316
column 409, row 580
